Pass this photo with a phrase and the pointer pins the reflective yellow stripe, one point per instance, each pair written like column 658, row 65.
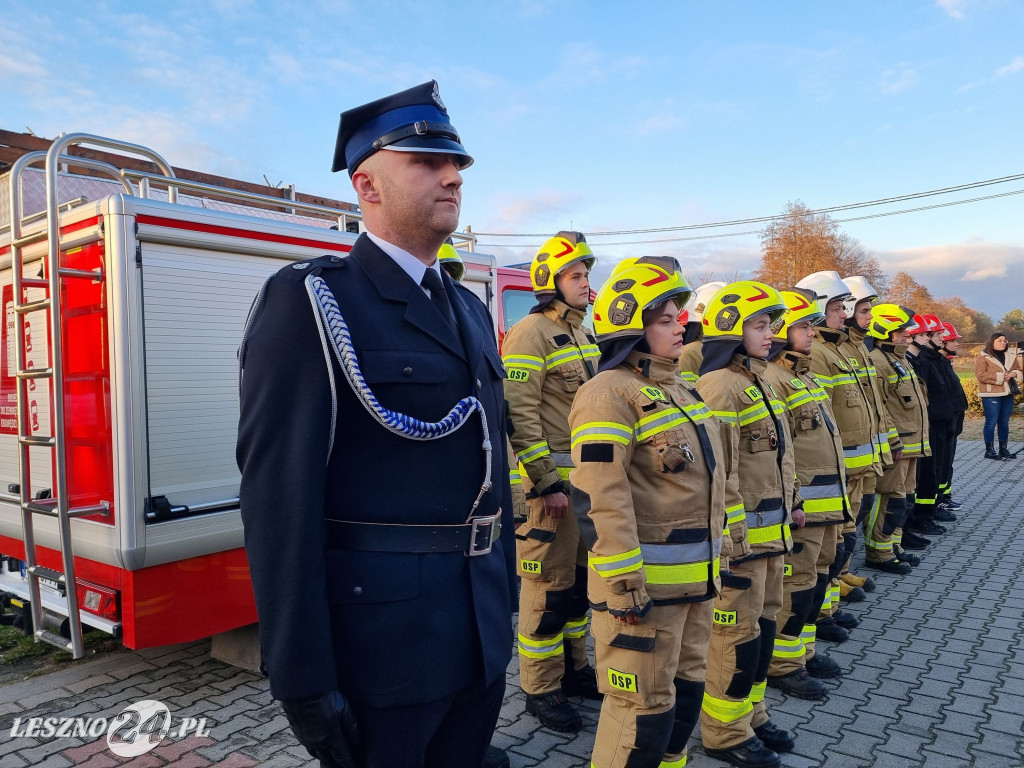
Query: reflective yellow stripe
column 680, row 763
column 724, row 710
column 689, row 573
column 590, row 350
column 734, row 514
column 689, row 376
column 767, row 534
column 757, row 692
column 858, row 456
column 777, row 407
column 821, row 506
column 788, row 649
column 547, row 648
column 697, row 411
column 561, row 357
column 602, row 431
column 752, row 414
column 534, row 452
column 658, row 423
column 523, row 361
column 575, row 628
column 809, row 633
column 615, row 565
column 798, row 398
column 726, row 417
column 515, row 477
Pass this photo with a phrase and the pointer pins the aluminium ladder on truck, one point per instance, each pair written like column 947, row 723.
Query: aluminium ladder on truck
column 49, row 270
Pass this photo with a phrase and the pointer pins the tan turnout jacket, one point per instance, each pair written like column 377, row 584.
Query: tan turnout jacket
column 649, row 486
column 548, row 356
column 817, row 444
column 761, row 487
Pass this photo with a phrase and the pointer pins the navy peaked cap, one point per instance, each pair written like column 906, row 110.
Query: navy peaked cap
column 414, row 120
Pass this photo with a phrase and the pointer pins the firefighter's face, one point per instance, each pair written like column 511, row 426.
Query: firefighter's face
column 862, row 314
column 664, row 333
column 574, row 284
column 835, row 314
column 757, row 336
column 901, row 337
column 410, row 193
column 800, row 337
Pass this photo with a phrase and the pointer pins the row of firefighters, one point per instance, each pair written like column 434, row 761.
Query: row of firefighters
column 696, row 474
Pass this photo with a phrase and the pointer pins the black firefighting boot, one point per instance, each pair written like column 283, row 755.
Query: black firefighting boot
column 827, row 629
column 906, row 557
column 915, row 542
column 495, row 758
column 775, row 738
column 554, row 711
column 799, row 684
column 845, row 619
column 943, row 514
column 752, row 753
column 580, row 682
column 1005, row 454
column 823, row 667
column 895, row 566
column 990, row 452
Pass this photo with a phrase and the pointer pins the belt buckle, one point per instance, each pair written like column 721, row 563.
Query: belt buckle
column 483, row 532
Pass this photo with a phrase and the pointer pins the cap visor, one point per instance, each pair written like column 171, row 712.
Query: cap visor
column 432, row 144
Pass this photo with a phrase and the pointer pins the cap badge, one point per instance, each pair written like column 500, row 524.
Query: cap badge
column 436, row 95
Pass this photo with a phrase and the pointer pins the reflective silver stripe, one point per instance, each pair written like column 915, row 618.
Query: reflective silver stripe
column 857, row 450
column 620, row 564
column 821, row 491
column 678, row 554
column 769, row 518
column 562, row 459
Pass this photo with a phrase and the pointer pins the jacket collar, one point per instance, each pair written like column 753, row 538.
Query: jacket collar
column 660, row 370
column 559, row 310
column 831, row 335
column 394, row 284
column 794, row 361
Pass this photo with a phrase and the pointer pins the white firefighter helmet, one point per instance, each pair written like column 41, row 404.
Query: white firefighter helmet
column 860, row 290
column 828, row 285
column 696, row 306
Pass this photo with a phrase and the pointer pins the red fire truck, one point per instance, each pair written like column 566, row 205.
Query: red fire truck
column 125, row 292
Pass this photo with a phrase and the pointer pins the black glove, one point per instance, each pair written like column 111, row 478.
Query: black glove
column 326, row 727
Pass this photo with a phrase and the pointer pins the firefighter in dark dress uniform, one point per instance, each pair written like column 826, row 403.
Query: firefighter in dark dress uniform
column 374, row 487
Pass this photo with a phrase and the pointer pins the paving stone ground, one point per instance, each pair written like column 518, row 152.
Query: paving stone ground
column 934, row 674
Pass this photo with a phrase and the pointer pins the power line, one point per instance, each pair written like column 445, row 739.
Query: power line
column 757, row 232
column 763, row 219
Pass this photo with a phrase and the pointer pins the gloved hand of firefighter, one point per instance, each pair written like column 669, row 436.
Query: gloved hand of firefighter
column 632, row 614
column 326, row 727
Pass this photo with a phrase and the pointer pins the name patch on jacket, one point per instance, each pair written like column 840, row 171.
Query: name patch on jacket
column 797, row 384
column 727, row 618
column 518, row 374
column 754, row 393
column 622, row 680
column 530, row 566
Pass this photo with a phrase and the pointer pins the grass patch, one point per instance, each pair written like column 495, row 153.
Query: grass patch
column 16, row 647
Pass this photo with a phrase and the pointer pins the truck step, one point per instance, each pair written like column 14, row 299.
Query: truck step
column 46, row 636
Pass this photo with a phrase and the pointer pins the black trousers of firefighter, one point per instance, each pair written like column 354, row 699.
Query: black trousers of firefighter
column 552, row 599
column 931, row 469
column 742, row 641
column 652, row 676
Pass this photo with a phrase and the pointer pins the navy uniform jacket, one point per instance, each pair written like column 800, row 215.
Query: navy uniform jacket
column 387, row 629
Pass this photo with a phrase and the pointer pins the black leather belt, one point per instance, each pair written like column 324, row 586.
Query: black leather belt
column 473, row 538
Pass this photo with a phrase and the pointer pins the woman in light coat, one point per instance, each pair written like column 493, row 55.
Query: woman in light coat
column 998, row 370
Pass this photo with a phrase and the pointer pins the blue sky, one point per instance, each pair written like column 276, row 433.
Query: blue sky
column 602, row 116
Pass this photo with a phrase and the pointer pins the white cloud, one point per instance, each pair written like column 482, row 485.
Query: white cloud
column 976, row 270
column 954, row 8
column 897, row 81
column 1017, row 65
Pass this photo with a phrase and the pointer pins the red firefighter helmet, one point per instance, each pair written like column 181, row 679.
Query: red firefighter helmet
column 932, row 324
column 917, row 325
column 950, row 333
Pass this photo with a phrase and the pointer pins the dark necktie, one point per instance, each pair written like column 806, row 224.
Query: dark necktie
column 432, row 282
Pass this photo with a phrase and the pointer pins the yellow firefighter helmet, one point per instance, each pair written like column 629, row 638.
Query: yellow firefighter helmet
column 619, row 307
column 738, row 302
column 561, row 251
column 451, row 262
column 802, row 304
